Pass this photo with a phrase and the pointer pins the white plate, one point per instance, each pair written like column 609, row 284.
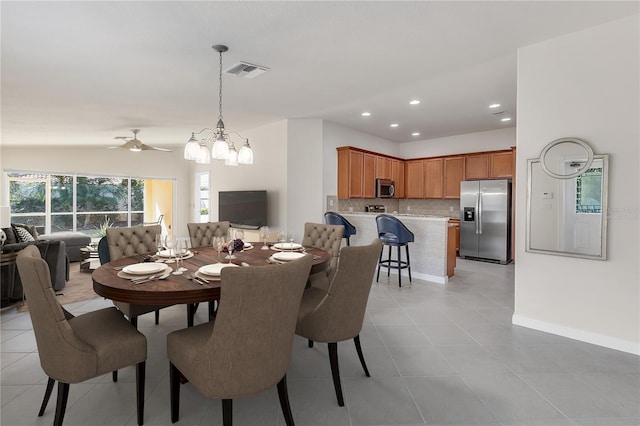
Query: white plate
column 287, row 246
column 214, row 269
column 143, row 268
column 248, row 245
column 170, row 253
column 287, row 255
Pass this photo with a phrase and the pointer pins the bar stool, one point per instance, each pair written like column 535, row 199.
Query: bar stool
column 392, row 232
column 333, row 218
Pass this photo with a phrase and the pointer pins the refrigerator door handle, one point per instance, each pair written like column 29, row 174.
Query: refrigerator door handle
column 479, row 214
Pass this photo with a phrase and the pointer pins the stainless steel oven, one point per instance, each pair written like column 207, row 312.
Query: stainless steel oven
column 385, row 188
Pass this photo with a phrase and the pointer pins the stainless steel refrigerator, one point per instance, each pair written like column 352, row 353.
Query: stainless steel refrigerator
column 485, row 220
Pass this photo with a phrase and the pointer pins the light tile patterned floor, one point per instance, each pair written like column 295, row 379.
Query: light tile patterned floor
column 438, row 355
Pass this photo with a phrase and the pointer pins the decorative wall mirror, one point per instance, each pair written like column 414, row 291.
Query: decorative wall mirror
column 567, row 201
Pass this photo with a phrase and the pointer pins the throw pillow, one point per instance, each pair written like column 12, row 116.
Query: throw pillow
column 23, row 235
column 30, row 228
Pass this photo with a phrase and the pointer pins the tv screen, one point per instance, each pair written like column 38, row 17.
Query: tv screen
column 244, row 209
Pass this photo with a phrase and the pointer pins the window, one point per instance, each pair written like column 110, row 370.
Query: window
column 589, row 191
column 202, row 196
column 87, row 204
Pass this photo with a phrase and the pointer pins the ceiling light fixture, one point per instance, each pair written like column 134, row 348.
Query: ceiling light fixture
column 366, row 114
column 415, row 134
column 494, row 106
column 393, row 125
column 222, row 148
column 414, row 102
column 505, row 119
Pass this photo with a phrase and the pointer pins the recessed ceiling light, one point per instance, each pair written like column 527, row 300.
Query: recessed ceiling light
column 494, row 106
column 414, row 102
column 505, row 119
column 366, row 114
column 393, row 125
column 415, row 134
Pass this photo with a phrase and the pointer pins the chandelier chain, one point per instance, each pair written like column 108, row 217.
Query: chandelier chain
column 220, row 90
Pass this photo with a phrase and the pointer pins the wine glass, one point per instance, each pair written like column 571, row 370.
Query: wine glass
column 181, row 251
column 290, row 237
column 170, row 244
column 264, row 234
column 230, row 250
column 159, row 245
column 218, row 244
column 282, row 239
column 240, row 236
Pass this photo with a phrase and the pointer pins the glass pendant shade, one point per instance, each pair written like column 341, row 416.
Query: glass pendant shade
column 220, row 148
column 245, row 155
column 191, row 149
column 232, row 158
column 203, row 154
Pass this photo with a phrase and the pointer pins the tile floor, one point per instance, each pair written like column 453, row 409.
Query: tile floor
column 437, row 355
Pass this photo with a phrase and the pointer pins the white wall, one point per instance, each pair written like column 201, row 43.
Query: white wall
column 115, row 162
column 490, row 140
column 584, row 85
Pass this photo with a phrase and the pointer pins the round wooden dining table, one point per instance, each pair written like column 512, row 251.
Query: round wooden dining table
column 179, row 289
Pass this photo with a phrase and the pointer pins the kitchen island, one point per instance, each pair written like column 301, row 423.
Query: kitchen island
column 429, row 251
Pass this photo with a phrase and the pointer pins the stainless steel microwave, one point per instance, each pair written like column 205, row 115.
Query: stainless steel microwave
column 385, row 188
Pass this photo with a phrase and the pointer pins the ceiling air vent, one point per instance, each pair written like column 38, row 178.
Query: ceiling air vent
column 246, row 70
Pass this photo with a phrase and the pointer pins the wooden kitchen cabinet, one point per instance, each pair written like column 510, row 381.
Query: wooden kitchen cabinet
column 453, row 175
column 477, row 166
column 350, row 173
column 432, row 178
column 397, row 174
column 414, row 179
column 369, row 176
column 383, row 167
column 501, row 164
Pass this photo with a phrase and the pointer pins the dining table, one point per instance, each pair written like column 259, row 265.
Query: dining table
column 111, row 282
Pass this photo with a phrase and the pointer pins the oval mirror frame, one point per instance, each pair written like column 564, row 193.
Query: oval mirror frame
column 581, row 151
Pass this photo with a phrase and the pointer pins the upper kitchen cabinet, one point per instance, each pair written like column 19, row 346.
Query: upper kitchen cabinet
column 477, row 166
column 397, row 175
column 350, row 173
column 432, row 178
column 369, row 176
column 383, row 167
column 453, row 175
column 414, row 179
column 501, row 164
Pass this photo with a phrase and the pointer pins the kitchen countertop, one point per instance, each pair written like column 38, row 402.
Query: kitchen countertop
column 409, row 215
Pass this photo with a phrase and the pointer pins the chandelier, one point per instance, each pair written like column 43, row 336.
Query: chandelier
column 222, row 147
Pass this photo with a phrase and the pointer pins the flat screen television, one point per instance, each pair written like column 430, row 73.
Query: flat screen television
column 244, row 209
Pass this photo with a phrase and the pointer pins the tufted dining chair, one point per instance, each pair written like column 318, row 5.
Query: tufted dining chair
column 75, row 349
column 247, row 348
column 336, row 314
column 124, row 242
column 328, row 238
column 201, row 234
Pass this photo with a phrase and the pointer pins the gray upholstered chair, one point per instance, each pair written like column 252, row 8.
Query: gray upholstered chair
column 201, row 234
column 328, row 238
column 337, row 314
column 75, row 349
column 124, row 242
column 247, row 348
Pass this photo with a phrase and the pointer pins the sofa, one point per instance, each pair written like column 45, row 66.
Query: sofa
column 53, row 252
column 73, row 241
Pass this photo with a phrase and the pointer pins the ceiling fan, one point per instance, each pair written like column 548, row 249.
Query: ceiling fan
column 135, row 144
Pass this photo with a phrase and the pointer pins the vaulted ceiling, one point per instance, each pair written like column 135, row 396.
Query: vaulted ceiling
column 84, row 72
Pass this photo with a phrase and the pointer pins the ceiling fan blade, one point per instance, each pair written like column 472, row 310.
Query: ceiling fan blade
column 155, row 148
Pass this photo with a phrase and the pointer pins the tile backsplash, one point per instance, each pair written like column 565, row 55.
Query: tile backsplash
column 449, row 208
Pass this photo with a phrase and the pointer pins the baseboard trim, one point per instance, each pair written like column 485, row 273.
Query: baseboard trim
column 419, row 275
column 576, row 334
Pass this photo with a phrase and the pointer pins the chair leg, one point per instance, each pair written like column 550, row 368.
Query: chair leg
column 140, row 380
column 174, row 390
column 191, row 313
column 408, row 262
column 379, row 264
column 114, row 376
column 348, row 243
column 157, row 316
column 212, row 310
column 47, row 395
column 227, row 412
column 356, row 340
column 284, row 401
column 335, row 371
column 61, row 404
column 310, row 343
column 399, row 266
column 389, row 263
column 134, row 321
